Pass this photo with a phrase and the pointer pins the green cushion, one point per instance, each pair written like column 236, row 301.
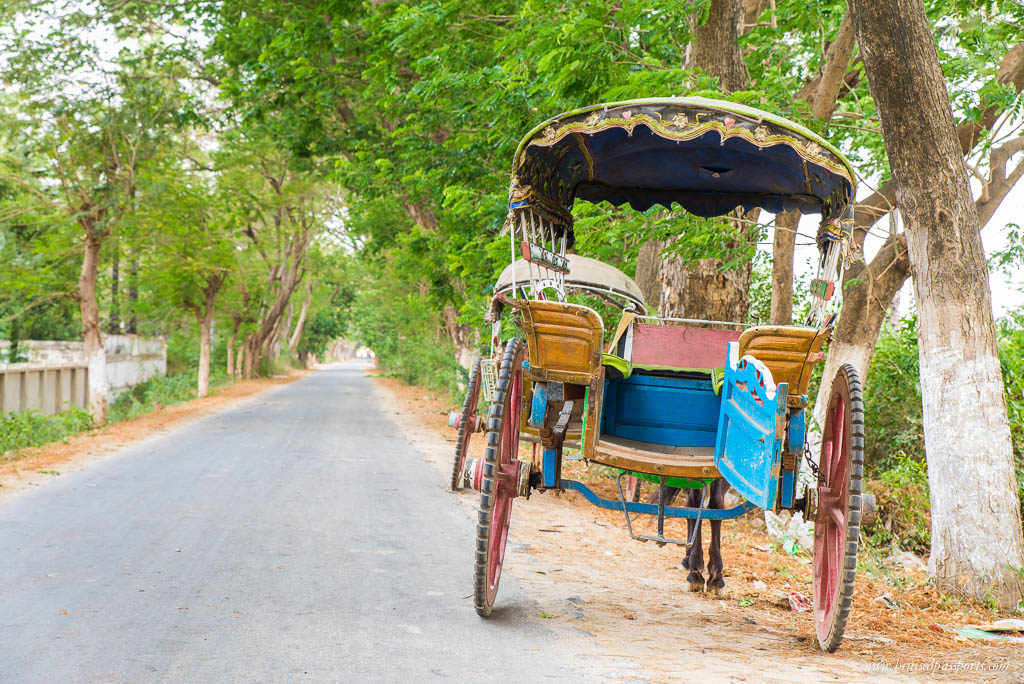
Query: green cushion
column 618, row 363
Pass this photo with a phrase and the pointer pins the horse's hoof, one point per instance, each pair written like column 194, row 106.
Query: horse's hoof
column 696, row 581
column 696, row 587
column 717, row 587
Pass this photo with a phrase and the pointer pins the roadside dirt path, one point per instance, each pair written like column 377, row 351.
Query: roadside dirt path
column 580, row 566
column 38, row 465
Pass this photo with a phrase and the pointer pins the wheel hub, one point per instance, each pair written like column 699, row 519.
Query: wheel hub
column 811, row 505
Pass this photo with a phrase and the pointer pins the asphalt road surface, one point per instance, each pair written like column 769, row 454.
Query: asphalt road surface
column 296, row 537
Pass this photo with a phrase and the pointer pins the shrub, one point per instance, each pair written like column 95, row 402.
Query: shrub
column 25, row 429
column 165, row 390
column 904, row 517
column 892, row 401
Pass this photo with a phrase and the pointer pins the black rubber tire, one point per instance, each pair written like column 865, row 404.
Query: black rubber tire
column 469, row 408
column 485, row 588
column 847, row 384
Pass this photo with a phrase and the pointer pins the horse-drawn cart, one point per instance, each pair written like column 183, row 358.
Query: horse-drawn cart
column 684, row 402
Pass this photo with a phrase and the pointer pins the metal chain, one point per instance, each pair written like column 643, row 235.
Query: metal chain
column 811, row 464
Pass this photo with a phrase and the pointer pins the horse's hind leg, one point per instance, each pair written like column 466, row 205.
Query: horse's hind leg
column 716, row 582
column 694, row 561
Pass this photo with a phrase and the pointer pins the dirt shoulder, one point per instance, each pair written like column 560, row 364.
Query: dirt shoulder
column 39, row 465
column 585, row 573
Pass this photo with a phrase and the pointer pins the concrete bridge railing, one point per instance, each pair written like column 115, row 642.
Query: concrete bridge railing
column 56, row 375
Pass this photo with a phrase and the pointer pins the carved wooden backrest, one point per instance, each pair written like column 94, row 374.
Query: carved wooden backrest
column 790, row 352
column 564, row 341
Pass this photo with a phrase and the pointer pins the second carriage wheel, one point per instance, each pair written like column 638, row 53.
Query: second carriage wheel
column 467, row 425
column 837, row 517
column 500, row 480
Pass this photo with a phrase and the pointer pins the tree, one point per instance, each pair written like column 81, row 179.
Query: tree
column 281, row 204
column 976, row 549
column 91, row 136
column 869, row 288
column 187, row 225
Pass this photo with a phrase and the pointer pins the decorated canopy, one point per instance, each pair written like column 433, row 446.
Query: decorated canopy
column 709, row 156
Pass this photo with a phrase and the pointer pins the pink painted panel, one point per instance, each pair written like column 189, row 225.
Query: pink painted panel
column 671, row 345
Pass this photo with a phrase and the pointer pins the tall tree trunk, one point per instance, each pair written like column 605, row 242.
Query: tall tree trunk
column 204, row 314
column 236, row 324
column 251, row 357
column 975, row 548
column 858, row 327
column 714, row 48
column 90, row 311
column 240, row 362
column 203, row 376
column 114, row 324
column 465, row 338
column 868, row 290
column 782, row 267
column 648, row 272
column 293, row 342
column 700, row 289
column 133, row 298
column 285, row 328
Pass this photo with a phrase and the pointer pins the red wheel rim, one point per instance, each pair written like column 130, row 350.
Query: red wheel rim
column 506, row 479
column 832, row 516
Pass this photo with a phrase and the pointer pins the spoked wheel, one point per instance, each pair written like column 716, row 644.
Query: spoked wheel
column 837, row 517
column 467, row 425
column 500, row 480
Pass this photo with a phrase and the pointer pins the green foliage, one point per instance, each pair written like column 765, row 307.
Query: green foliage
column 403, row 331
column 1011, row 359
column 903, row 516
column 160, row 390
column 894, row 441
column 892, row 400
column 25, row 429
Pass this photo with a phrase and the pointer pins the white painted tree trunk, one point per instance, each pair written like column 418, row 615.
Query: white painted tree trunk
column 858, row 354
column 977, row 544
column 98, row 385
column 963, row 435
column 90, row 313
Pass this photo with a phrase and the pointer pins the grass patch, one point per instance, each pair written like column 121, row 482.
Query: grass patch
column 160, row 390
column 24, row 429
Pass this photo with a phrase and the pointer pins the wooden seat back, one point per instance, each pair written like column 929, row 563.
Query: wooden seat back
column 564, row 340
column 790, row 353
column 679, row 346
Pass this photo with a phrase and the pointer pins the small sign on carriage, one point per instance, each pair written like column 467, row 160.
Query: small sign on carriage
column 538, row 255
column 823, row 289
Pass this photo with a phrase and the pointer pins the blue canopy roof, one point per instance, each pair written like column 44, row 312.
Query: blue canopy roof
column 709, row 156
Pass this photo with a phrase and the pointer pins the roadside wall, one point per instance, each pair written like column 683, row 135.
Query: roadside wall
column 56, row 375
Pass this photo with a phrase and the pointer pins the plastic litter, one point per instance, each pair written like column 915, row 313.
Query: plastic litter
column 798, row 602
column 791, row 531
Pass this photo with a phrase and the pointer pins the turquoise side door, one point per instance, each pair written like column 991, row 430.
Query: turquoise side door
column 751, row 430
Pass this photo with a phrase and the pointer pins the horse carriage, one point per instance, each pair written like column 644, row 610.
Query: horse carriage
column 686, row 403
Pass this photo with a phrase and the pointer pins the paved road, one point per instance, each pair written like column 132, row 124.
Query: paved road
column 293, row 538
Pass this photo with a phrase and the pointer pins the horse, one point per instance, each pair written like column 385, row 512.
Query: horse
column 694, row 560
